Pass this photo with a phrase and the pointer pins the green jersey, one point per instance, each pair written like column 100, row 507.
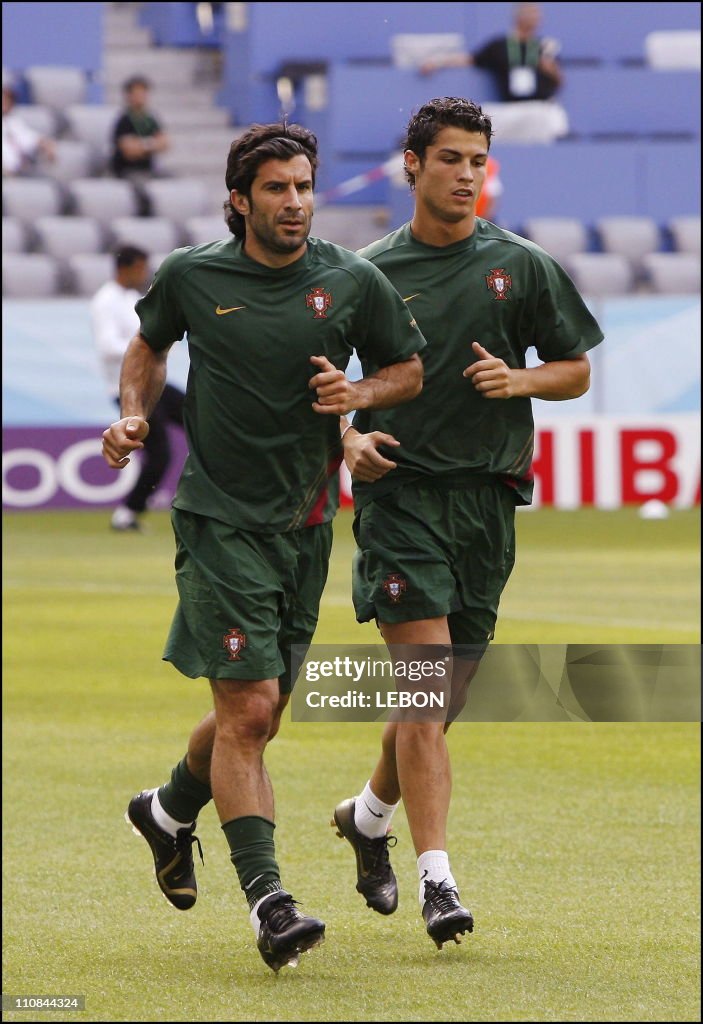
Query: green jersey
column 504, row 292
column 259, row 457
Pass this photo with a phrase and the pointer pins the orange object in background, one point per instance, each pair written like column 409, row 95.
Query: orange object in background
column 492, row 188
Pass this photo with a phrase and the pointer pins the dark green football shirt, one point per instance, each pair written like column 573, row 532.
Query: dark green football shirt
column 259, row 457
column 504, row 292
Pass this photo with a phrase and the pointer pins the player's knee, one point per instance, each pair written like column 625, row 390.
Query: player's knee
column 247, row 722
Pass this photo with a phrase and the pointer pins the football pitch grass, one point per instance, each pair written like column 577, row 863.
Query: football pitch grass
column 575, row 845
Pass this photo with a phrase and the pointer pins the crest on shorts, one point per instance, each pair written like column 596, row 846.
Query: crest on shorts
column 395, row 586
column 319, row 301
column 499, row 282
column 234, row 642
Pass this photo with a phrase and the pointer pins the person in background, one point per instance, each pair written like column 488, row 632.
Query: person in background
column 525, row 69
column 21, row 144
column 137, row 138
column 115, row 323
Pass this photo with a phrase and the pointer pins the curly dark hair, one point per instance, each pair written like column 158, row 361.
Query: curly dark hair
column 443, row 112
column 258, row 144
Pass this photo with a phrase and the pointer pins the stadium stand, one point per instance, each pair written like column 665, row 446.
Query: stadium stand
column 29, row 276
column 103, row 198
column 28, row 198
column 673, row 272
column 560, row 236
column 686, row 234
column 153, row 234
column 62, row 237
column 608, row 168
column 89, row 271
column 631, row 237
column 56, row 87
column 597, row 274
column 14, row 235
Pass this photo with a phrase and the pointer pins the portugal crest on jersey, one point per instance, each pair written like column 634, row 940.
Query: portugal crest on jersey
column 395, row 586
column 319, row 301
column 234, row 642
column 499, row 282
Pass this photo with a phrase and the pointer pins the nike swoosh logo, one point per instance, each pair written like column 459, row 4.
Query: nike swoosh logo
column 247, row 887
column 412, row 296
column 221, row 312
column 372, row 812
column 424, row 875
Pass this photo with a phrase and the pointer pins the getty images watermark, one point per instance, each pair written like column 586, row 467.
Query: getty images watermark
column 500, row 683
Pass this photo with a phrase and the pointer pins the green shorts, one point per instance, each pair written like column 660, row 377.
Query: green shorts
column 244, row 598
column 426, row 551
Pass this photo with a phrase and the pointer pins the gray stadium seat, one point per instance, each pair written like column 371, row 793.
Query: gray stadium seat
column 177, row 199
column 686, row 232
column 561, row 237
column 29, row 276
column 156, row 259
column 350, row 226
column 93, row 123
column 674, row 273
column 206, row 229
column 600, row 273
column 41, row 119
column 90, row 271
column 28, row 198
column 632, row 237
column 103, row 198
column 14, row 235
column 673, row 50
column 153, row 234
column 72, row 160
column 56, row 87
column 62, row 237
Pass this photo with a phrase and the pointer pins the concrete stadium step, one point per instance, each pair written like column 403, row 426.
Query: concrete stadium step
column 177, row 119
column 188, row 97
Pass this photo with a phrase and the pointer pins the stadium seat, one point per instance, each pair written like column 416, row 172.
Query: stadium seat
column 349, row 226
column 40, row 119
column 29, row 276
column 56, row 87
column 674, row 273
column 72, row 160
column 673, row 50
column 600, row 273
column 686, row 233
column 62, row 237
column 90, row 271
column 177, row 199
column 92, row 123
column 205, row 229
column 14, row 235
column 103, row 198
column 153, row 234
column 561, row 237
column 28, row 198
column 632, row 237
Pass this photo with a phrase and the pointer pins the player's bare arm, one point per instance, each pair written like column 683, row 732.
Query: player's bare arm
column 141, row 383
column 554, row 381
column 389, row 386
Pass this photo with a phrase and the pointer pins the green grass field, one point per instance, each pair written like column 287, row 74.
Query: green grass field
column 576, row 846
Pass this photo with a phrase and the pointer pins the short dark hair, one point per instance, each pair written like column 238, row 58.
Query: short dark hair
column 128, row 255
column 258, row 144
column 135, row 80
column 443, row 112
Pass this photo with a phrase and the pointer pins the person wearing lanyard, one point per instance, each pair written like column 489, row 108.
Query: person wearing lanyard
column 524, row 65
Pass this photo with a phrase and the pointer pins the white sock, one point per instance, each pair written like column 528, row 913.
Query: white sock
column 164, row 820
column 433, row 865
column 254, row 915
column 371, row 816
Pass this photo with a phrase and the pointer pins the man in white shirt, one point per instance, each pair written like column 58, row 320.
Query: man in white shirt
column 114, row 324
column 21, row 145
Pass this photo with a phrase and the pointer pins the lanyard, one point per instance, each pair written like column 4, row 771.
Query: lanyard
column 515, row 52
